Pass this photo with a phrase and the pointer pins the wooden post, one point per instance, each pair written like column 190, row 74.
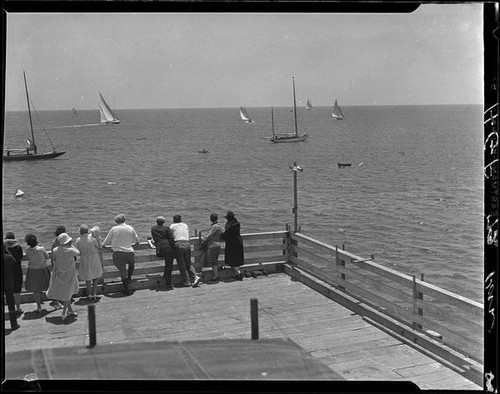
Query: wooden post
column 254, row 318
column 417, row 296
column 295, row 208
column 339, row 263
column 92, row 326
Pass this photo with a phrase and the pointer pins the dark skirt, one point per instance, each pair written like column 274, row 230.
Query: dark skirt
column 234, row 254
column 37, row 280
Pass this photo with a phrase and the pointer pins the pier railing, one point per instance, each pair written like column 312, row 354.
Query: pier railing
column 448, row 318
column 262, row 251
column 414, row 308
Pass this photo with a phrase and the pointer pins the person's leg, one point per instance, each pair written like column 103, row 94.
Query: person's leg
column 17, row 302
column 65, row 309
column 118, row 258
column 94, row 288
column 38, row 299
column 181, row 263
column 9, row 297
column 88, row 284
column 167, row 272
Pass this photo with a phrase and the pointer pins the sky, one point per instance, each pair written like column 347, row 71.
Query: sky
column 190, row 60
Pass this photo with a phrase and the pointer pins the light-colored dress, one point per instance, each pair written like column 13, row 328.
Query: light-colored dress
column 90, row 262
column 64, row 280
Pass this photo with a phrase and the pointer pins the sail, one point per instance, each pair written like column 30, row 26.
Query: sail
column 337, row 111
column 309, row 105
column 107, row 115
column 244, row 115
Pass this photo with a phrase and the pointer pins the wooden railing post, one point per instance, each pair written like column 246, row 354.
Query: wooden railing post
column 339, row 263
column 92, row 326
column 417, row 296
column 254, row 318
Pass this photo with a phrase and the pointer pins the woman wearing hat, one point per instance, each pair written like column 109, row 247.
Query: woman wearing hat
column 16, row 251
column 234, row 244
column 64, row 280
column 38, row 274
column 90, row 263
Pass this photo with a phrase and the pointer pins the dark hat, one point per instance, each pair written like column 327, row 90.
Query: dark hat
column 84, row 229
column 10, row 235
column 229, row 215
column 120, row 218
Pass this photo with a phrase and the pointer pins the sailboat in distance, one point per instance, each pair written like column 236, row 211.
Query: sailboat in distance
column 337, row 111
column 107, row 116
column 276, row 138
column 31, row 152
column 309, row 106
column 244, row 115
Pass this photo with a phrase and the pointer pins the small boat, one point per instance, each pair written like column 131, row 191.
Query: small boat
column 295, row 137
column 337, row 111
column 244, row 115
column 344, row 165
column 107, row 116
column 309, row 105
column 31, row 151
column 203, row 151
column 18, row 193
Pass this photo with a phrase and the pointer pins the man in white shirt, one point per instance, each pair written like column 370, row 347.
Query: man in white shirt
column 121, row 238
column 180, row 231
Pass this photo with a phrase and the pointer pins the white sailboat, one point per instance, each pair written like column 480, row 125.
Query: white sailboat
column 244, row 115
column 276, row 138
column 309, row 105
column 107, row 115
column 337, row 111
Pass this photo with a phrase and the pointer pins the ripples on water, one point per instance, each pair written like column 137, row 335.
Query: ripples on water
column 416, row 202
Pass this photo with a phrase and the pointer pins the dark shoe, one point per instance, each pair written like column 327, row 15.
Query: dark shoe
column 214, row 280
column 239, row 276
column 125, row 287
column 19, row 312
column 15, row 327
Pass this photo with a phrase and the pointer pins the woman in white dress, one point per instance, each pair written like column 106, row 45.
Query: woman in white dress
column 64, row 279
column 90, row 262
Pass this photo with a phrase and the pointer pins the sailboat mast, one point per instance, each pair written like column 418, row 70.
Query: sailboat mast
column 272, row 119
column 294, row 107
column 29, row 111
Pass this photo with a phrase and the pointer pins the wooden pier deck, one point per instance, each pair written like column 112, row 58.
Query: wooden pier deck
column 336, row 336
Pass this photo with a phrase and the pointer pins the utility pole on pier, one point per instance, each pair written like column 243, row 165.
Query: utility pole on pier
column 295, row 168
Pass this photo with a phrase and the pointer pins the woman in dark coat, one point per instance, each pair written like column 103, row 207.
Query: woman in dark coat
column 234, row 244
column 16, row 251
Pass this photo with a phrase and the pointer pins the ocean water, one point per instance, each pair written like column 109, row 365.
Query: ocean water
column 416, row 203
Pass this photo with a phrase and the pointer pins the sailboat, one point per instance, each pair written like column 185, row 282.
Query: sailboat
column 244, row 115
column 309, row 106
column 75, row 112
column 31, row 151
column 290, row 137
column 337, row 111
column 107, row 115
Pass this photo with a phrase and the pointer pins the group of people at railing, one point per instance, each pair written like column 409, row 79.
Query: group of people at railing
column 60, row 278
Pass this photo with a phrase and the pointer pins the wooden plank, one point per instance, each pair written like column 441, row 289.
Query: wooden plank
column 382, row 287
column 301, row 253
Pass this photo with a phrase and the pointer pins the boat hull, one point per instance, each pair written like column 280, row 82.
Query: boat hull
column 112, row 122
column 344, row 164
column 283, row 139
column 24, row 157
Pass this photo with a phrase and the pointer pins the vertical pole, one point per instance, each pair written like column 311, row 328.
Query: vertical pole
column 295, row 217
column 92, row 326
column 254, row 318
column 416, row 310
